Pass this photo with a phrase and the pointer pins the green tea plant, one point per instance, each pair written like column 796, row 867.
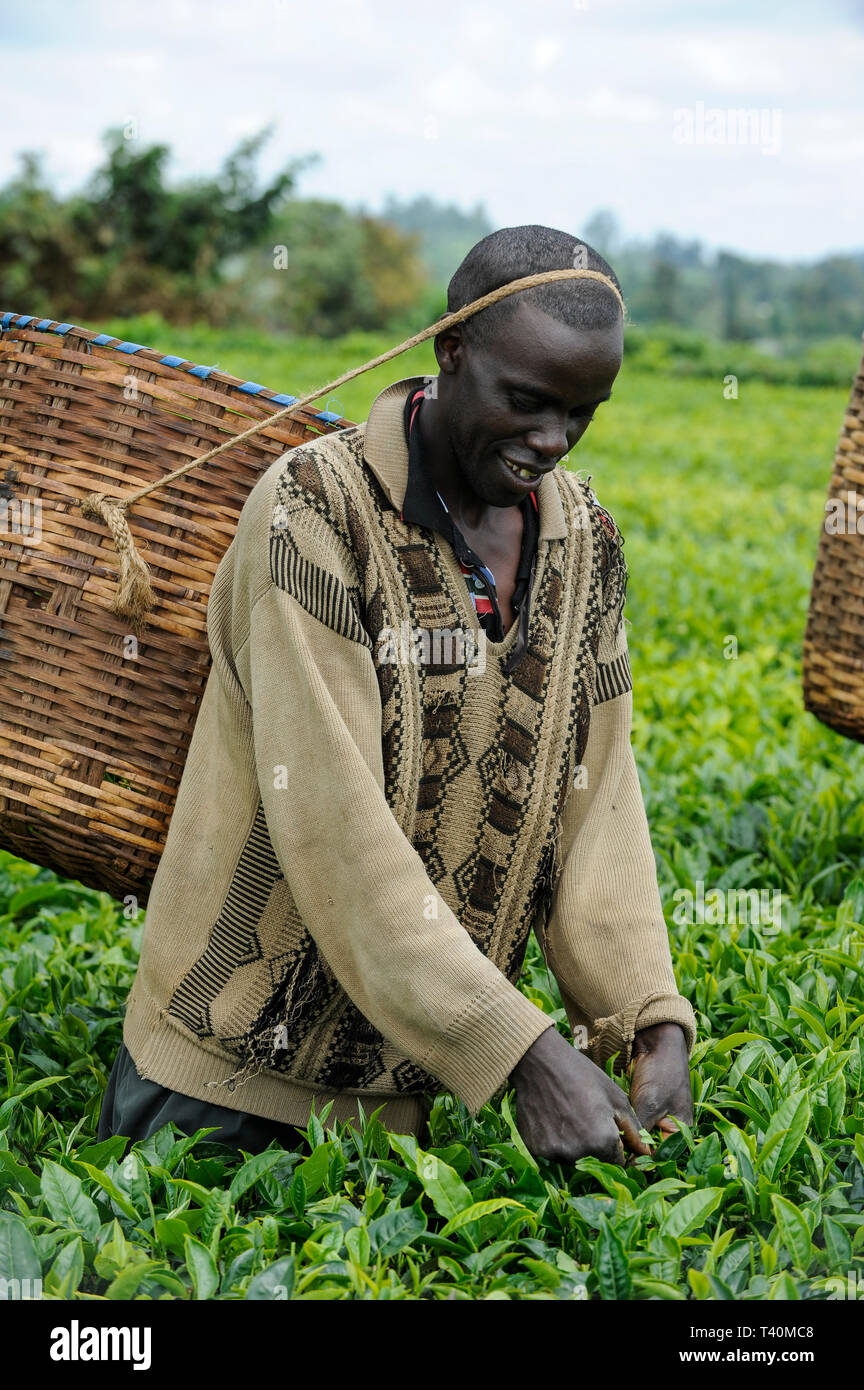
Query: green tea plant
column 720, row 502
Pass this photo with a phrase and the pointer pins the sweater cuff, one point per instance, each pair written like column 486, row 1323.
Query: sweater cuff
column 485, row 1042
column 616, row 1033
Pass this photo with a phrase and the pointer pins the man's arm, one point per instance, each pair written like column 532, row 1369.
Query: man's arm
column 606, row 939
column 607, row 945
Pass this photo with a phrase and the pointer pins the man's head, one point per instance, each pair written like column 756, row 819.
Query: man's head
column 519, row 381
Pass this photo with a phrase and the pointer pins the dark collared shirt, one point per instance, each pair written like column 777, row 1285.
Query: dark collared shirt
column 423, row 505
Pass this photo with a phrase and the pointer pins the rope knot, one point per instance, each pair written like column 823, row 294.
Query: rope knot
column 134, row 597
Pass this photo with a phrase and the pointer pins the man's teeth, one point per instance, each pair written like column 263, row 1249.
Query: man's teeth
column 527, row 473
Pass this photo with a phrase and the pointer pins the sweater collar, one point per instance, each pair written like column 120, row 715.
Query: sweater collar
column 386, row 453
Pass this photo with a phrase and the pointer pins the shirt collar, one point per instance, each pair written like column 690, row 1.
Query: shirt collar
column 386, row 453
column 421, row 504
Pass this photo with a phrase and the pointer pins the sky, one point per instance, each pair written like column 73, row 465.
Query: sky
column 544, row 112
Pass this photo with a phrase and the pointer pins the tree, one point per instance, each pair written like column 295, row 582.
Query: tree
column 128, row 242
column 444, row 232
column 603, row 233
column 331, row 271
column 39, row 250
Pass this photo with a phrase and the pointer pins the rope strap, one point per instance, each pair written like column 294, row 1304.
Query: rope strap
column 135, row 597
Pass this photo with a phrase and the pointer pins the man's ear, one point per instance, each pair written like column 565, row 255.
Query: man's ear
column 443, row 357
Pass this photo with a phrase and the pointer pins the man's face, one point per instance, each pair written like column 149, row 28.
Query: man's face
column 523, row 400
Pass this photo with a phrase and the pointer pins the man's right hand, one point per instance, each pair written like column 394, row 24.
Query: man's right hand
column 568, row 1108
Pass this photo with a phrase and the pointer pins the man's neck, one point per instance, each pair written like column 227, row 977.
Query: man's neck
column 469, row 511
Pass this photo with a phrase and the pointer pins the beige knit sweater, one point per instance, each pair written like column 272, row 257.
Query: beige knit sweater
column 366, row 830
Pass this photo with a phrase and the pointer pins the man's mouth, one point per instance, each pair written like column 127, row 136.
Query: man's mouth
column 524, row 471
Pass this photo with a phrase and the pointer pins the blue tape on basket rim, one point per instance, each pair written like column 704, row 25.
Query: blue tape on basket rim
column 249, row 388
column 44, row 325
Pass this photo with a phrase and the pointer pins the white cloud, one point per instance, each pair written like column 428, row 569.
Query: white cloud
column 545, row 54
column 735, row 65
column 141, row 64
column 604, row 104
column 835, row 152
column 544, row 112
column 244, row 123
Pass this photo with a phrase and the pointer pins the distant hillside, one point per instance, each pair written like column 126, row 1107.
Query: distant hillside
column 676, row 283
column 445, row 232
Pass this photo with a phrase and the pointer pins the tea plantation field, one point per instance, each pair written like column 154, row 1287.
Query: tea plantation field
column 720, row 503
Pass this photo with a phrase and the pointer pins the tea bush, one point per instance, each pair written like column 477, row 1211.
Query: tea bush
column 720, row 503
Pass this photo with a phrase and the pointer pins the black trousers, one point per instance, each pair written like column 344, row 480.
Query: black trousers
column 137, row 1109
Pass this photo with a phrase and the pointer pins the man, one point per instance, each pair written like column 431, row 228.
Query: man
column 368, row 828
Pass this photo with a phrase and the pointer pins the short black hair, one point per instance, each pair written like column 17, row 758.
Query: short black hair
column 514, row 252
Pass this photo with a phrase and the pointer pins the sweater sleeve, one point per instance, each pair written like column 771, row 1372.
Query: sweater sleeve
column 606, row 939
column 361, row 888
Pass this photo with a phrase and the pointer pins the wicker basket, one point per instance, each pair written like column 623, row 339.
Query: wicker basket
column 94, row 734
column 95, row 719
column 833, row 655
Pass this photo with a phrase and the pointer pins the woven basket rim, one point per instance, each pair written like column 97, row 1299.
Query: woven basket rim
column 9, row 319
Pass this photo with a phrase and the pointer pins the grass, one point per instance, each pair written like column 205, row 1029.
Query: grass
column 720, row 503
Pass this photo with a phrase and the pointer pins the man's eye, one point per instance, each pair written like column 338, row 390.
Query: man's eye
column 531, row 407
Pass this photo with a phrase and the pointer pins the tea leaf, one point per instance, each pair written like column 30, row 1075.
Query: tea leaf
column 67, row 1201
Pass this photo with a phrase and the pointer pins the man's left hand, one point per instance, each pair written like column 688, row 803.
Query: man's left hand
column 660, row 1079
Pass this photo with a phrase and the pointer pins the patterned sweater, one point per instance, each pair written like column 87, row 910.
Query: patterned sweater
column 367, row 828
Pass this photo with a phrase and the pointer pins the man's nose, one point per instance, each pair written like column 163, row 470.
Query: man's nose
column 549, row 440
